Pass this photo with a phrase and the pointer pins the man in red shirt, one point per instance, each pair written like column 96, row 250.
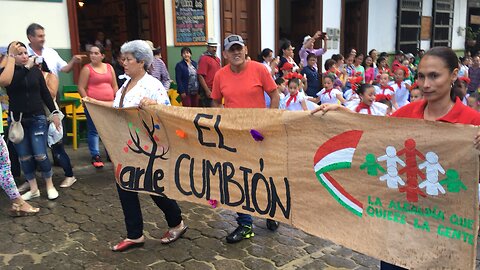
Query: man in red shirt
column 208, row 65
column 242, row 84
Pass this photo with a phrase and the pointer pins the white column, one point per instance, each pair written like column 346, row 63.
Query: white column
column 267, row 24
column 427, row 11
column 217, row 22
column 332, row 16
column 459, row 23
column 382, row 25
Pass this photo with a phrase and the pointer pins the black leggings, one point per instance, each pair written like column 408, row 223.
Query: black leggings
column 133, row 212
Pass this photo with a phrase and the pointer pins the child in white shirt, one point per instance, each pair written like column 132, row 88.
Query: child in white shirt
column 401, row 87
column 386, row 89
column 295, row 100
column 329, row 94
column 367, row 104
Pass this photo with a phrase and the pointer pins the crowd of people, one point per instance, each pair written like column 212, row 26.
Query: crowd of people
column 434, row 85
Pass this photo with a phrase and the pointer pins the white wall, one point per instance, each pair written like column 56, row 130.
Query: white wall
column 267, row 24
column 169, row 22
column 216, row 21
column 17, row 15
column 427, row 9
column 459, row 21
column 382, row 25
column 332, row 16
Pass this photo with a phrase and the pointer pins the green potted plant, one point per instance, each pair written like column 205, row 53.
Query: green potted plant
column 471, row 36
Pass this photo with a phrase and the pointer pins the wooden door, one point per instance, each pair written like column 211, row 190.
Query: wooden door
column 308, row 23
column 157, row 26
column 242, row 17
column 354, row 26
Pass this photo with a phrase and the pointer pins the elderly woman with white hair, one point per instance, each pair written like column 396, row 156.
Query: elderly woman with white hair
column 142, row 89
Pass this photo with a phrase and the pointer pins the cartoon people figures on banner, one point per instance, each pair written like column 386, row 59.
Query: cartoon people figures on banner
column 371, row 165
column 432, row 169
column 391, row 157
column 392, row 178
column 413, row 171
column 453, row 182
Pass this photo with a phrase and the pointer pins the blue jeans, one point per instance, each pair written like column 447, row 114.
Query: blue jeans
column 32, row 150
column 92, row 136
column 244, row 219
column 59, row 153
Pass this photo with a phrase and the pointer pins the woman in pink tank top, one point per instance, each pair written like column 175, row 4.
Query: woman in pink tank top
column 97, row 80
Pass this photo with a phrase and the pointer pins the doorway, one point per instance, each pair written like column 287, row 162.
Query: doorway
column 354, row 26
column 298, row 18
column 242, row 17
column 119, row 20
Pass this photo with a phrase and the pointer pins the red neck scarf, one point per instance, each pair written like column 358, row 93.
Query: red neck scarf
column 327, row 92
column 385, row 88
column 361, row 106
column 292, row 97
column 399, row 85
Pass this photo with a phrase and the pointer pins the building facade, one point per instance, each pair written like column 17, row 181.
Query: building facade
column 360, row 24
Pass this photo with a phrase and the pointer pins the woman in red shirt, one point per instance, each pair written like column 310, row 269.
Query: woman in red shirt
column 437, row 72
column 436, row 75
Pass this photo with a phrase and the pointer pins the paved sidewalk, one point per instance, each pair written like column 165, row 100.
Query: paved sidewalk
column 77, row 230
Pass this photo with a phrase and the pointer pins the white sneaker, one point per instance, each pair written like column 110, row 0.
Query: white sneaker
column 24, row 187
column 29, row 195
column 68, row 182
column 52, row 193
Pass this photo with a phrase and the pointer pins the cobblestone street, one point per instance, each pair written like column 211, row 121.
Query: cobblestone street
column 77, row 230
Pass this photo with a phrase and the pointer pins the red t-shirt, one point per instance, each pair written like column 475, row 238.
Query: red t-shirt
column 244, row 89
column 207, row 67
column 458, row 114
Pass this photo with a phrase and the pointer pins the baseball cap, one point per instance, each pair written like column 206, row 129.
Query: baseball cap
column 409, row 55
column 398, row 52
column 232, row 40
column 287, row 66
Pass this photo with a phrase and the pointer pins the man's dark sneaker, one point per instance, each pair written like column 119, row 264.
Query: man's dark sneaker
column 240, row 233
column 97, row 162
column 272, row 225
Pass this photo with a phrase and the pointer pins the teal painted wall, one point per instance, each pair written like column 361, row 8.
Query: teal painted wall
column 65, row 78
column 173, row 54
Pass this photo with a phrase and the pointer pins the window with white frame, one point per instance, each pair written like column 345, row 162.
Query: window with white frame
column 409, row 25
column 442, row 23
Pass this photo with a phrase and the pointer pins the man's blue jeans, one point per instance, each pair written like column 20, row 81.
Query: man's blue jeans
column 32, row 150
column 244, row 219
